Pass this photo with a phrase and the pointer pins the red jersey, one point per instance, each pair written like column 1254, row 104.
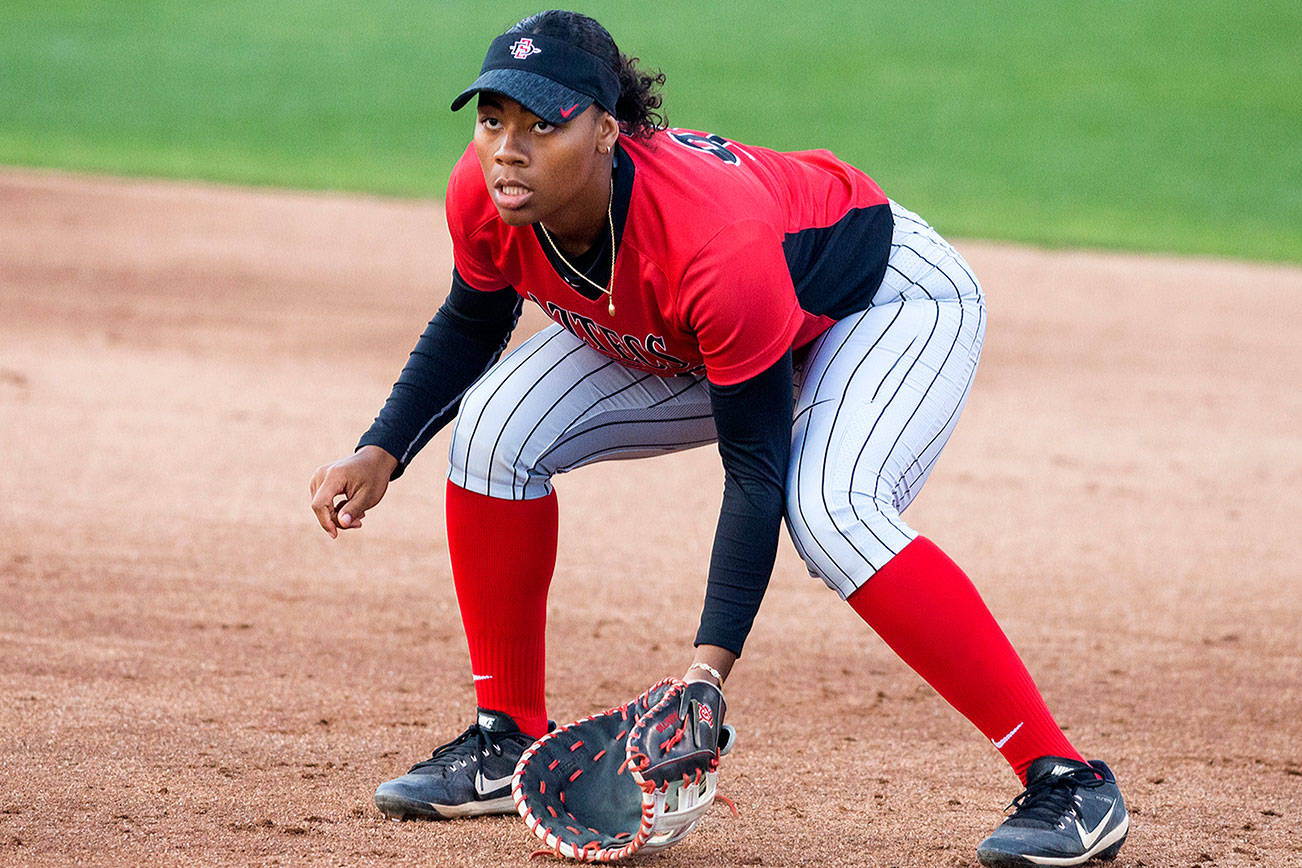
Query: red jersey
column 727, row 254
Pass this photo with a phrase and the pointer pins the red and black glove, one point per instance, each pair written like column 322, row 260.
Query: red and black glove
column 635, row 778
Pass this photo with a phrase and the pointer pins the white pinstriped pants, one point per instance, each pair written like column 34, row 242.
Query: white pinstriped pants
column 877, row 397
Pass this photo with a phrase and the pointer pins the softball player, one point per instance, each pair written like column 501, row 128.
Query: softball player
column 692, row 281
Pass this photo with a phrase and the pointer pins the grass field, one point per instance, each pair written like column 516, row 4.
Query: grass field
column 1157, row 126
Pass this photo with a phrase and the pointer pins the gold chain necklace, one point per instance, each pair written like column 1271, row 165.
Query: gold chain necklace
column 609, row 289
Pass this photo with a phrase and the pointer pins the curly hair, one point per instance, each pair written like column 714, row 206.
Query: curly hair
column 638, row 107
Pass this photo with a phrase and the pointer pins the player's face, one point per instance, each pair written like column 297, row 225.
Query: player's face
column 541, row 172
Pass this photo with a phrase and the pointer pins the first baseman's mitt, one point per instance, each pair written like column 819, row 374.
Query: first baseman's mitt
column 632, row 779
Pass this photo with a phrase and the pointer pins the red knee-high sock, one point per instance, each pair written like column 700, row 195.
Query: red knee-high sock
column 503, row 553
column 931, row 615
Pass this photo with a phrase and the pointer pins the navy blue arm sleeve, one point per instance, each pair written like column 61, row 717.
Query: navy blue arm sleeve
column 466, row 336
column 754, row 423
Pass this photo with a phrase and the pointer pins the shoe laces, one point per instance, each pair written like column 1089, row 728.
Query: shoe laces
column 474, row 743
column 1047, row 799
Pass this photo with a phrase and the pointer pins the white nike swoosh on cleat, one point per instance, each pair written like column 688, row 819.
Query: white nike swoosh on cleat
column 1003, row 741
column 1087, row 839
column 1118, row 833
column 484, row 785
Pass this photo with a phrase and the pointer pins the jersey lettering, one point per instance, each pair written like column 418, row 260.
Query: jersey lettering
column 612, row 338
column 561, row 316
column 635, row 347
column 650, row 352
column 656, row 346
column 589, row 335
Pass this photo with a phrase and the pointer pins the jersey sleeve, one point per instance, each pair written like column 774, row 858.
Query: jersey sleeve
column 736, row 296
column 470, row 214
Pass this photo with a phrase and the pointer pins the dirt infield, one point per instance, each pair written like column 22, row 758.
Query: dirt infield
column 192, row 672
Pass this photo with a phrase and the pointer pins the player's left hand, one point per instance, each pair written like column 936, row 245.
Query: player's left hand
column 636, row 778
column 681, row 738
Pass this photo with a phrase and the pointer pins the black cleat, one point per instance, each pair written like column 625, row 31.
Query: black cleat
column 467, row 777
column 1068, row 814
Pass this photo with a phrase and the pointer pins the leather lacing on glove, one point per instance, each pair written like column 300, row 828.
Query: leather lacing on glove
column 640, row 762
column 595, row 754
column 624, row 713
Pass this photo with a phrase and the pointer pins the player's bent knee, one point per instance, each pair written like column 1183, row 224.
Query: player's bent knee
column 844, row 545
column 485, row 455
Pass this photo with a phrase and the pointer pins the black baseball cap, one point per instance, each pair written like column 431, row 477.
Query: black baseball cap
column 553, row 79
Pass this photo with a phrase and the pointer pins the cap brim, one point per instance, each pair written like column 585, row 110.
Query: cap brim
column 549, row 100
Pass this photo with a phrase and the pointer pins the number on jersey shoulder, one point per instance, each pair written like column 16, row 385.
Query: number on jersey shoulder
column 707, row 143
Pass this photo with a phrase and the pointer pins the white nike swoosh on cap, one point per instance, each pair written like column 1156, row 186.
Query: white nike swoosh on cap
column 484, row 785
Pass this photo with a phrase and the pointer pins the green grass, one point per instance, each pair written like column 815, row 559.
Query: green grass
column 1170, row 126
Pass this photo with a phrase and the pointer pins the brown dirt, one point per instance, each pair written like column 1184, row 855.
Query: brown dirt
column 191, row 672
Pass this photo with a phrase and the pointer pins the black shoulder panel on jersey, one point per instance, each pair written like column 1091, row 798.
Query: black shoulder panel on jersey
column 836, row 269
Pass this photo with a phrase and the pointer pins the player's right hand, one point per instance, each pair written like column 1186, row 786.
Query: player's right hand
column 360, row 480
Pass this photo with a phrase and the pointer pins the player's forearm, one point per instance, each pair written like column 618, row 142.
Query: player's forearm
column 753, row 420
column 745, row 547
